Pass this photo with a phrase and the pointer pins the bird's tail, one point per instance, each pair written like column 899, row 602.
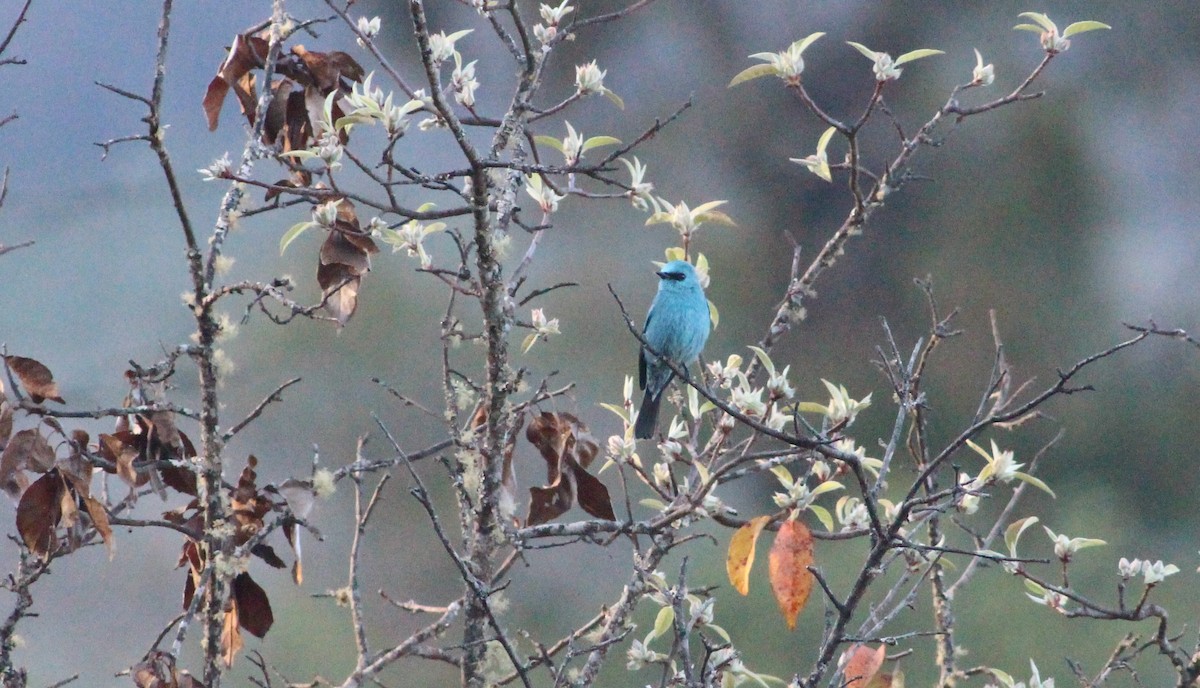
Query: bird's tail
column 647, row 418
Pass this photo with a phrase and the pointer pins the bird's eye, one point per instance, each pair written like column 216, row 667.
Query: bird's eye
column 675, row 276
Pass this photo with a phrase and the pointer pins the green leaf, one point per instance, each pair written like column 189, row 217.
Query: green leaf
column 784, row 475
column 716, row 216
column 1084, row 543
column 1036, row 482
column 1028, row 27
column 426, row 207
column 764, row 359
column 656, row 504
column 348, row 121
column 823, row 142
column 752, row 73
column 822, row 515
column 917, row 54
column 980, row 450
column 1013, row 533
column 870, row 54
column 457, row 35
column 530, row 340
column 1082, row 26
column 713, row 314
column 807, row 41
column 827, row 486
column 298, row 154
column 662, row 623
column 811, row 407
column 1002, row 677
column 391, row 236
column 290, row 235
column 619, row 410
column 616, row 99
column 549, row 141
column 719, row 631
column 1041, row 19
column 597, row 141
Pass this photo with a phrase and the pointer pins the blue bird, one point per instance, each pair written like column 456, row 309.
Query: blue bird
column 676, row 327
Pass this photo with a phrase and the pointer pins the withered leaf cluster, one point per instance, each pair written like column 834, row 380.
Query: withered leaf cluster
column 291, row 121
column 158, row 670
column 345, row 258
column 59, row 497
column 306, row 78
column 248, row 607
column 56, row 511
column 568, row 449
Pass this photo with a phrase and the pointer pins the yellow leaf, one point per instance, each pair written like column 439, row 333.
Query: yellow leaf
column 791, row 581
column 741, row 553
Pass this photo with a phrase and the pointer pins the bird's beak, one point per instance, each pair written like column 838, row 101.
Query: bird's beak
column 661, row 274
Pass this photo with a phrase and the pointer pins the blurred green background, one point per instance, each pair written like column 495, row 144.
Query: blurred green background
column 1068, row 215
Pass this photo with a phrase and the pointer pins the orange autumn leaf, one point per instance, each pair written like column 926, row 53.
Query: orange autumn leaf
column 861, row 664
column 791, row 555
column 740, row 558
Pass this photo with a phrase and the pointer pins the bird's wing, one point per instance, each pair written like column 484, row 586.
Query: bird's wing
column 642, row 353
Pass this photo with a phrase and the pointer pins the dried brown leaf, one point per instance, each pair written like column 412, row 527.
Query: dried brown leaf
column 27, row 450
column 593, row 495
column 15, row 484
column 276, row 117
column 292, row 533
column 164, row 431
column 122, row 449
column 299, row 126
column 231, row 637
column 157, row 670
column 246, row 53
column 76, row 467
column 99, row 516
column 39, row 511
column 327, row 69
column 179, row 478
column 68, row 509
column 36, row 378
column 343, row 247
column 340, row 286
column 195, row 563
column 6, row 421
column 254, row 609
column 548, row 503
column 508, row 478
column 562, row 440
column 267, row 553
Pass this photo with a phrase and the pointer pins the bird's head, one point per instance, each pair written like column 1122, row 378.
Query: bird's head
column 678, row 275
